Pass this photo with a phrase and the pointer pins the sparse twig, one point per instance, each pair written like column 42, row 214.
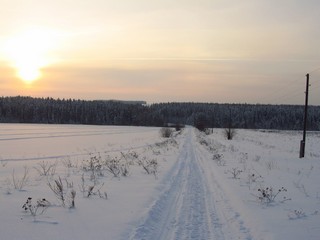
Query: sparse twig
column 93, row 165
column 72, row 198
column 113, row 166
column 150, row 166
column 46, row 168
column 58, row 189
column 19, row 184
column 235, row 172
column 218, row 158
column 90, row 190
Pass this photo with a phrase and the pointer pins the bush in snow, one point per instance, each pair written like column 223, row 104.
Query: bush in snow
column 268, row 195
column 37, row 208
column 63, row 192
column 59, row 190
column 218, row 158
column 72, row 198
column 208, row 131
column 124, row 169
column 296, row 214
column 150, row 166
column 113, row 165
column 92, row 189
column 93, row 165
column 130, row 157
column 203, row 142
column 253, row 178
column 46, row 168
column 235, row 172
column 270, row 165
column 165, row 145
column 68, row 163
column 20, row 183
column 179, row 127
column 166, row 132
column 229, row 133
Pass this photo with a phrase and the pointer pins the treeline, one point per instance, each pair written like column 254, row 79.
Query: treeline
column 70, row 111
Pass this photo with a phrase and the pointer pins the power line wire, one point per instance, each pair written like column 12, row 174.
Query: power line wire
column 275, row 96
column 313, row 88
column 292, row 88
column 288, row 96
column 315, row 83
column 315, row 70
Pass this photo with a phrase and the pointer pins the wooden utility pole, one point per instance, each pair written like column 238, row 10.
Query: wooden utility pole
column 303, row 141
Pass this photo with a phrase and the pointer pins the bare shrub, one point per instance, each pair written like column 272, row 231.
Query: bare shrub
column 94, row 165
column 125, row 169
column 235, row 172
column 257, row 158
column 218, row 158
column 253, row 178
column 170, row 142
column 113, row 166
column 268, row 195
column 58, row 189
column 7, row 185
column 203, row 142
column 179, row 127
column 36, row 209
column 92, row 189
column 127, row 160
column 208, row 131
column 301, row 188
column 130, row 157
column 68, row 163
column 149, row 165
column 46, row 168
column 72, row 199
column 20, row 183
column 229, row 133
column 166, row 132
column 64, row 193
column 270, row 165
column 296, row 214
column 70, row 194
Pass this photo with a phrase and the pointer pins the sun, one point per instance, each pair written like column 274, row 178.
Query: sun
column 29, row 74
column 29, row 51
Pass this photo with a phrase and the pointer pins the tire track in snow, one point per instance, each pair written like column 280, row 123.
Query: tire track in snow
column 28, row 136
column 185, row 210
column 231, row 222
column 72, row 155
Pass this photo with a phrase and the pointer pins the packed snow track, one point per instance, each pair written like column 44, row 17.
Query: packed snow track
column 186, row 209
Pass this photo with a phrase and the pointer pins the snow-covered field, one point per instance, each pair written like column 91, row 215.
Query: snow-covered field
column 198, row 187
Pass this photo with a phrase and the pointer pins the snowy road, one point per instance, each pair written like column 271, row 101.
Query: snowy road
column 186, row 209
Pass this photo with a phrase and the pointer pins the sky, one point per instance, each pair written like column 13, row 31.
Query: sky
column 225, row 51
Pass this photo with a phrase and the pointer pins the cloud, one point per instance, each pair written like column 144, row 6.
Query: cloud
column 206, row 50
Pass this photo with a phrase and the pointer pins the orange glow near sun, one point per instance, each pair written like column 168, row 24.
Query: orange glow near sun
column 29, row 51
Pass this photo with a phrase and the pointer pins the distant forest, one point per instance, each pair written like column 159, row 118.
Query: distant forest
column 70, row 111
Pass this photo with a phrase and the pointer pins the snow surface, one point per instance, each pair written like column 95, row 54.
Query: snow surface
column 205, row 186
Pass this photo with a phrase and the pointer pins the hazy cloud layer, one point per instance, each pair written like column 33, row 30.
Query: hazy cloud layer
column 164, row 50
